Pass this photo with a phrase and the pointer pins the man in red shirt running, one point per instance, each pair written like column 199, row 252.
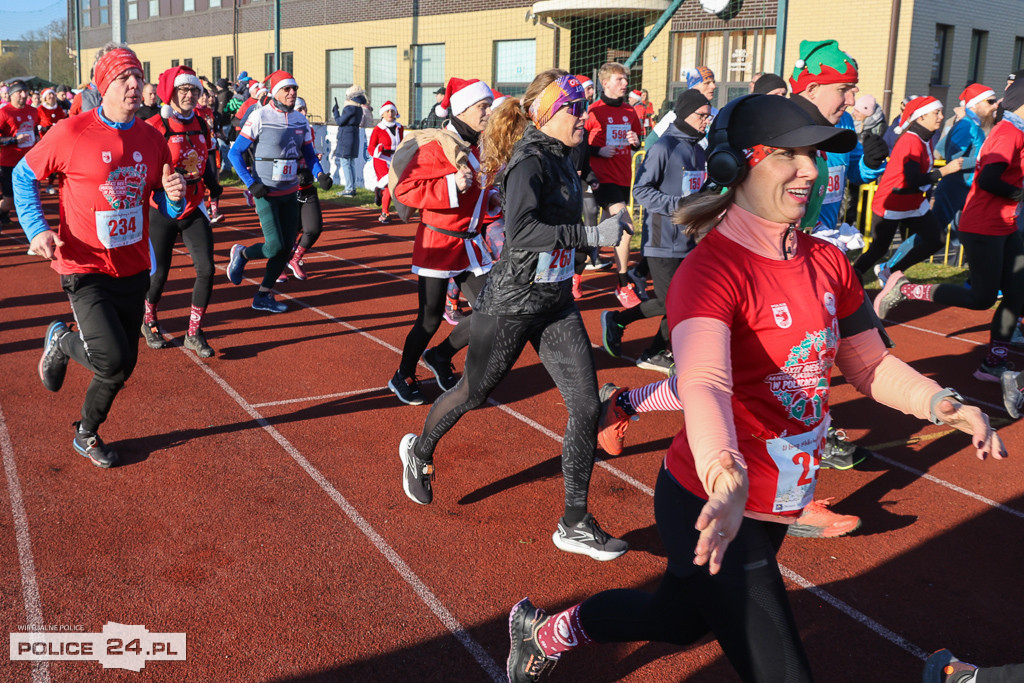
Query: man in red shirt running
column 18, row 121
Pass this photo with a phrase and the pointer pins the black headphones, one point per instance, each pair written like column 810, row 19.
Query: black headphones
column 726, row 165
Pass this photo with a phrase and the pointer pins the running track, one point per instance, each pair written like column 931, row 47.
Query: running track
column 259, row 508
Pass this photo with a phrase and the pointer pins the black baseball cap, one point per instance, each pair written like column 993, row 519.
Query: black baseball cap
column 778, row 122
column 440, row 91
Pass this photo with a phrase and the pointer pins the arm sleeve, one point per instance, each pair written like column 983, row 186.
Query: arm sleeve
column 650, row 176
column 914, row 177
column 859, row 172
column 238, row 148
column 524, row 226
column 27, row 202
column 990, row 179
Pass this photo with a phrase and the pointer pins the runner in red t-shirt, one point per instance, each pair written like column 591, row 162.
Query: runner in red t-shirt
column 993, row 245
column 112, row 165
column 18, row 122
column 614, row 131
column 50, row 113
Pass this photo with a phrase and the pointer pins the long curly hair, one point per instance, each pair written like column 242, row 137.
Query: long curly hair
column 508, row 122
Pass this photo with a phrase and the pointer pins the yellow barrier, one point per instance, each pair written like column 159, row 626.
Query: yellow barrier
column 638, row 156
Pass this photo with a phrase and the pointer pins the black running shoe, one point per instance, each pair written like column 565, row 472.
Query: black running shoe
column 588, row 538
column 91, row 446
column 197, row 342
column 417, row 475
column 151, row 333
column 442, row 368
column 659, row 362
column 407, row 389
column 841, row 454
column 611, row 334
column 943, row 667
column 53, row 364
column 526, row 660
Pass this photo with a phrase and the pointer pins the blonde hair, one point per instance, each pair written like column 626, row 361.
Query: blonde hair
column 700, row 213
column 508, row 122
column 610, row 68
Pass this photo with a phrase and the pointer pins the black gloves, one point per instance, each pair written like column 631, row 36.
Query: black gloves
column 259, row 190
column 324, row 181
column 875, row 150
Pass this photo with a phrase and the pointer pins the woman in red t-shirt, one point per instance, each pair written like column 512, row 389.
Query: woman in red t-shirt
column 50, row 112
column 759, row 313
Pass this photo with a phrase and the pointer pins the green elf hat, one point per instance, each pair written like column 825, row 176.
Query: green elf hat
column 821, row 61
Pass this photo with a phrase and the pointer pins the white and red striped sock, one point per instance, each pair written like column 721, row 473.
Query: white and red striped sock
column 149, row 317
column 659, row 396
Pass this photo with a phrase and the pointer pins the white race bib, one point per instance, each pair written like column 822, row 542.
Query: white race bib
column 615, row 134
column 836, row 184
column 555, row 265
column 119, row 227
column 285, row 170
column 28, row 130
column 798, row 458
column 692, row 181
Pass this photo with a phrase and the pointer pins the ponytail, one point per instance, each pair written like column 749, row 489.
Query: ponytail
column 504, row 128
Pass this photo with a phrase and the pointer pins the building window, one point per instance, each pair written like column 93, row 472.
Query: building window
column 104, row 12
column 229, row 62
column 133, row 11
column 154, row 8
column 381, row 75
column 187, row 62
column 174, row 63
column 85, row 14
column 287, row 59
column 214, row 4
column 340, row 76
column 215, row 70
column 189, row 5
column 976, row 65
column 940, row 54
column 515, row 65
column 145, row 72
column 428, row 76
column 1018, row 53
column 734, row 56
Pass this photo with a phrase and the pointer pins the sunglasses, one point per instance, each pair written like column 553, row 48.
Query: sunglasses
column 576, row 108
column 992, row 100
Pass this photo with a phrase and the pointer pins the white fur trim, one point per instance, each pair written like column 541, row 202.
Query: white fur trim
column 462, row 100
column 440, row 111
column 979, row 98
column 926, row 109
column 497, row 102
column 187, row 79
column 453, row 191
column 283, row 83
column 388, row 107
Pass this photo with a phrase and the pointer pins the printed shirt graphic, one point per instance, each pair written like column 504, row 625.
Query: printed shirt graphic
column 607, row 126
column 109, row 177
column 783, row 317
column 15, row 122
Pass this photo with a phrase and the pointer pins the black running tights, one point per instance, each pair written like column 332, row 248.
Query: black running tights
column 927, row 241
column 197, row 235
column 432, row 293
column 311, row 219
column 744, row 605
column 662, row 270
column 564, row 348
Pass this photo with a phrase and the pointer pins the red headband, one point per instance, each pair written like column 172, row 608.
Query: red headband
column 112, row 65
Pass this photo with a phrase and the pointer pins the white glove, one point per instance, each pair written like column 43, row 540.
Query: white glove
column 608, row 233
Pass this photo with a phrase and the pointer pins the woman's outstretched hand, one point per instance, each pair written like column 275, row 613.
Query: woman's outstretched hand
column 720, row 519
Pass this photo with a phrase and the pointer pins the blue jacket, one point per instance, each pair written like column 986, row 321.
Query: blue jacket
column 965, row 140
column 348, row 146
column 848, row 166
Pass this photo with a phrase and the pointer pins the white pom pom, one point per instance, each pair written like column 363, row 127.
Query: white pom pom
column 166, row 111
column 440, row 111
column 800, row 64
column 898, row 130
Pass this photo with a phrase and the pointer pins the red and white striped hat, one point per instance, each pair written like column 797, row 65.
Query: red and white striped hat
column 280, row 79
column 460, row 95
column 975, row 93
column 916, row 108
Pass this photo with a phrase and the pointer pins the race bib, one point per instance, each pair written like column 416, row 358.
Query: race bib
column 29, row 132
column 285, row 170
column 615, row 134
column 555, row 265
column 836, row 184
column 119, row 227
column 692, row 181
column 798, row 458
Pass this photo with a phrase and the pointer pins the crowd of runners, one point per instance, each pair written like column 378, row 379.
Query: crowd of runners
column 743, row 238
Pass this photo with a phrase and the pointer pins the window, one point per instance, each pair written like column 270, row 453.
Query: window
column 976, row 65
column 428, row 76
column 187, row 62
column 230, row 68
column 133, row 11
column 381, row 75
column 515, row 65
column 85, row 15
column 340, row 75
column 1018, row 53
column 214, row 4
column 215, row 70
column 145, row 72
column 154, row 8
column 174, row 63
column 287, row 59
column 940, row 54
column 189, row 5
column 104, row 12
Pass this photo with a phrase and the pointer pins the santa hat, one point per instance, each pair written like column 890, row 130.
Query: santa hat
column 635, row 95
column 498, row 99
column 254, row 89
column 585, row 81
column 916, row 108
column 46, row 91
column 975, row 94
column 388, row 106
column 460, row 95
column 172, row 79
column 280, row 79
column 821, row 61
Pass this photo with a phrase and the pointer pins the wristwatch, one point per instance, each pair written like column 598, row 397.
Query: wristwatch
column 948, row 392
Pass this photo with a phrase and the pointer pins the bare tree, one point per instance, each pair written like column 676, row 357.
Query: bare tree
column 52, row 43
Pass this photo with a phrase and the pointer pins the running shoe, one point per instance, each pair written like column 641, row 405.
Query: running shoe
column 817, row 521
column 1013, row 397
column 282, row 278
column 659, row 362
column 384, row 219
column 417, row 475
column 89, row 445
column 890, row 297
column 992, row 373
column 249, row 201
column 588, row 538
column 453, row 316
column 442, row 368
column 839, row 453
column 883, row 273
column 627, row 296
column 296, row 266
column 236, row 264
column 31, row 252
column 943, row 667
column 54, row 363
column 151, row 333
column 1018, row 337
column 577, row 287
column 407, row 389
column 216, row 218
column 597, row 264
column 612, row 424
column 526, row 660
column 611, row 334
column 265, row 301
column 197, row 342
column 639, row 283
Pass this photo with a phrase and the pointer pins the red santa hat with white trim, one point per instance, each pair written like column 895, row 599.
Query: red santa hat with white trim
column 635, row 95
column 256, row 89
column 388, row 106
column 915, row 109
column 171, row 80
column 585, row 82
column 460, row 95
column 974, row 94
column 280, row 79
column 498, row 99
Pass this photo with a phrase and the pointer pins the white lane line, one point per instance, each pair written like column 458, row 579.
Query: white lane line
column 474, row 648
column 29, row 587
column 941, row 334
column 325, row 397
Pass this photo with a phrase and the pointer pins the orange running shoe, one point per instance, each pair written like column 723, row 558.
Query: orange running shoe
column 611, row 426
column 817, row 521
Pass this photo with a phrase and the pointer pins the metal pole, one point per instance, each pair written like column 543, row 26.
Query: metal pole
column 49, row 58
column 78, row 42
column 780, row 35
column 277, row 34
column 118, row 19
column 890, row 64
column 655, row 30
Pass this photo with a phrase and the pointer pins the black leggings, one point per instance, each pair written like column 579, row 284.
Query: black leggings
column 927, row 241
column 197, row 235
column 744, row 605
column 662, row 270
column 432, row 294
column 996, row 262
column 564, row 348
column 311, row 218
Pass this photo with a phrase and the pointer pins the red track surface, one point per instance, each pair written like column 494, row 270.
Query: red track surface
column 259, row 508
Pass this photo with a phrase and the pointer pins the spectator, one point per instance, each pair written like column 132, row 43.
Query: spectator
column 64, row 97
column 769, row 84
column 349, row 121
column 433, row 119
column 868, row 117
column 150, row 103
